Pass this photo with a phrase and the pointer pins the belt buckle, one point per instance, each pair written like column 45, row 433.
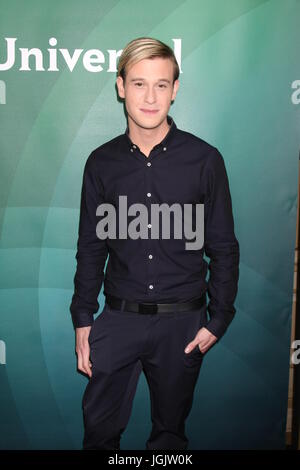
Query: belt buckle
column 148, row 308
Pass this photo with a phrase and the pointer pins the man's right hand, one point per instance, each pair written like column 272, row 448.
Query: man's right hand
column 83, row 350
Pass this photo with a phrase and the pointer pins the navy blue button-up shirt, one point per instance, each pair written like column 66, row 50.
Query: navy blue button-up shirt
column 182, row 169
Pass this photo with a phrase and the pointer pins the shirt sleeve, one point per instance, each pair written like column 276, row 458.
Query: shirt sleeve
column 221, row 247
column 91, row 251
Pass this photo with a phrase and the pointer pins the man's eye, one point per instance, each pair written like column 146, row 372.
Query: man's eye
column 139, row 84
column 162, row 85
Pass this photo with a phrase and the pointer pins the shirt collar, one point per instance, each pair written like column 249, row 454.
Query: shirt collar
column 166, row 140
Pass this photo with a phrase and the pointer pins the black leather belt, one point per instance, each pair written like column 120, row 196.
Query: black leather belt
column 151, row 308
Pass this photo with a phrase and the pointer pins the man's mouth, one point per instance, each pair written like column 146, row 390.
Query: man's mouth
column 149, row 111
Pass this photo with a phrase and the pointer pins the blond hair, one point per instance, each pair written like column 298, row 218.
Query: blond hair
column 145, row 48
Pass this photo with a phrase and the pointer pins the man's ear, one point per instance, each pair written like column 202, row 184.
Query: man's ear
column 120, row 86
column 175, row 89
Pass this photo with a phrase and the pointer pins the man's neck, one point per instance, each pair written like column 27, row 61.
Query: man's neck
column 146, row 139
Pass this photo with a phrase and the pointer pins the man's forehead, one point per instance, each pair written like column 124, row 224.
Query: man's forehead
column 164, row 65
column 159, row 79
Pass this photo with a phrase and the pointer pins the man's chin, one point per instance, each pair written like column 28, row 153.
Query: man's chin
column 150, row 123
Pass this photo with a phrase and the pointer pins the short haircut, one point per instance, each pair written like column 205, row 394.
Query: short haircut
column 145, row 48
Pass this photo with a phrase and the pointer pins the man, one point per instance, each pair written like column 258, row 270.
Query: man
column 155, row 314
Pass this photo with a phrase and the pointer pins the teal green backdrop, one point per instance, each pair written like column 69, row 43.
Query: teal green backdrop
column 240, row 65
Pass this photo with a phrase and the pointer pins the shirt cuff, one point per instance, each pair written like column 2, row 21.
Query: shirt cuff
column 216, row 327
column 82, row 319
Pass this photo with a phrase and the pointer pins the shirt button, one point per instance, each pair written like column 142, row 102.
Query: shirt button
column 149, row 225
column 149, row 194
column 164, row 149
column 150, row 256
column 151, row 286
column 131, row 150
column 134, row 146
column 148, row 164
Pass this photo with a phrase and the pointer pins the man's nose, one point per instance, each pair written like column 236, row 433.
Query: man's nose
column 150, row 95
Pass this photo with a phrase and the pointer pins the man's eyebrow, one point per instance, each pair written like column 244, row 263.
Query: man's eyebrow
column 159, row 80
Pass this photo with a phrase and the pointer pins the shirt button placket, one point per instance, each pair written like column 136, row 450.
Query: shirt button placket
column 149, row 255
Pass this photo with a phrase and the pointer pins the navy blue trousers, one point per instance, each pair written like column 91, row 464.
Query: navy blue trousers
column 122, row 345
